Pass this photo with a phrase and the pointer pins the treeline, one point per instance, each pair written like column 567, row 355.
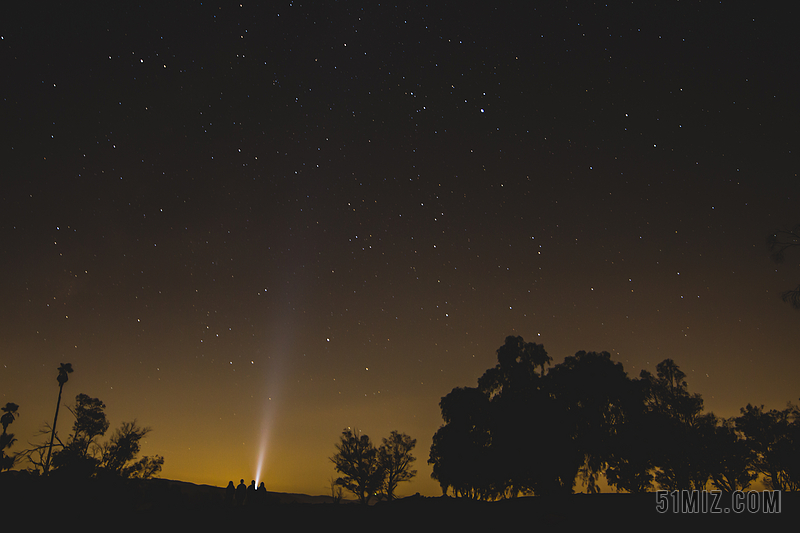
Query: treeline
column 528, row 429
column 81, row 454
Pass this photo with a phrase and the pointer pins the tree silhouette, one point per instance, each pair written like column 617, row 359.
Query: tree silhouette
column 631, row 467
column 76, row 458
column 520, row 409
column 395, row 460
column 675, row 440
column 64, row 370
column 779, row 243
column 82, row 456
column 597, row 398
column 460, row 453
column 147, row 467
column 7, row 439
column 727, row 456
column 123, row 448
column 357, row 460
column 517, row 362
column 526, row 431
column 90, row 421
column 774, row 438
column 508, row 435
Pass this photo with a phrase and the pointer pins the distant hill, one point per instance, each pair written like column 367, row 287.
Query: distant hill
column 195, row 490
column 168, row 505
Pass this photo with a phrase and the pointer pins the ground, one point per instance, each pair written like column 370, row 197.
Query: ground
column 163, row 505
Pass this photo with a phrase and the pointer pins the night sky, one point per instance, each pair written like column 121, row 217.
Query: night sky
column 251, row 226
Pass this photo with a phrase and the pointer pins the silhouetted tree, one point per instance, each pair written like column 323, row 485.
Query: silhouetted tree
column 82, row 456
column 728, row 458
column 517, row 362
column 774, row 438
column 545, row 457
column 524, row 431
column 90, row 421
column 395, row 459
column 675, row 441
column 460, row 450
column 357, row 460
column 121, row 450
column 596, row 398
column 778, row 243
column 76, row 458
column 519, row 411
column 632, row 467
column 7, row 439
column 145, row 468
column 64, row 370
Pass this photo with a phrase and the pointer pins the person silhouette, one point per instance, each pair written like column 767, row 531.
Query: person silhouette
column 261, row 494
column 230, row 492
column 251, row 493
column 241, row 492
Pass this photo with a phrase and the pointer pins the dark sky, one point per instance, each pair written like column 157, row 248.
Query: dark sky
column 251, row 226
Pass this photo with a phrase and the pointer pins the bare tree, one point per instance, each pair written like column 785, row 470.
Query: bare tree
column 395, row 459
column 357, row 460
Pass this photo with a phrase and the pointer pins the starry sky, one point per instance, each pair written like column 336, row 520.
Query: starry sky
column 249, row 226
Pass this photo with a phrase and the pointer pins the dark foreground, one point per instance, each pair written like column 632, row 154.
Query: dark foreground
column 162, row 505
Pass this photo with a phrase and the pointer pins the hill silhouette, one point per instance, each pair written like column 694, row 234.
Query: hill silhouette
column 162, row 504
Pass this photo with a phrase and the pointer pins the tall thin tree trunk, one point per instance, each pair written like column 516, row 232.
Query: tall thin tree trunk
column 53, row 434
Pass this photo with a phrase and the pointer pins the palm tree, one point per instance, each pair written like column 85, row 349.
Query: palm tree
column 63, row 376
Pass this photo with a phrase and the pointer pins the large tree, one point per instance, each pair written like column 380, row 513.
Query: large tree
column 524, row 430
column 356, row 458
column 520, row 415
column 511, row 434
column 774, row 438
column 460, row 453
column 728, row 459
column 597, row 399
column 675, row 439
column 516, row 369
